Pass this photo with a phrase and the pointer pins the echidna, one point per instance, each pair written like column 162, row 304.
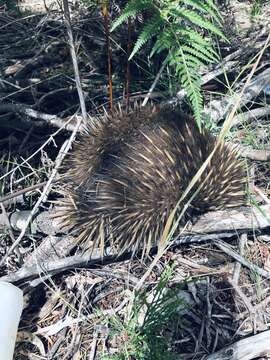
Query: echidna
column 127, row 172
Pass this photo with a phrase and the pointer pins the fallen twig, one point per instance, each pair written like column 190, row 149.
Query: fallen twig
column 250, row 115
column 258, row 155
column 47, row 118
column 246, row 349
column 229, row 251
column 15, row 194
column 218, row 109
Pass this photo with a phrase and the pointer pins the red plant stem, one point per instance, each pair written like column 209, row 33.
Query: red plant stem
column 105, row 13
column 128, row 75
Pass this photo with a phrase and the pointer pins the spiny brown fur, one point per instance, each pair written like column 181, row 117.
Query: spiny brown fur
column 128, row 171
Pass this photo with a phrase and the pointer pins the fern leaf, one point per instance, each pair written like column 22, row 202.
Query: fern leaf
column 193, row 61
column 205, row 7
column 148, row 31
column 208, row 51
column 190, row 79
column 198, row 20
column 201, row 53
column 213, row 6
column 191, row 37
column 132, row 9
column 187, row 49
column 163, row 42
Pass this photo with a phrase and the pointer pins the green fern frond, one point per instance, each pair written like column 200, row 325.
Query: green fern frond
column 181, row 22
column 201, row 53
column 206, row 8
column 190, row 79
column 190, row 35
column 191, row 38
column 163, row 42
column 198, row 20
column 132, row 9
column 207, row 51
column 213, row 6
column 147, row 33
column 193, row 61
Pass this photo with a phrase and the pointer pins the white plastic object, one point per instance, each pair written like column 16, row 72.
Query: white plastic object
column 11, row 305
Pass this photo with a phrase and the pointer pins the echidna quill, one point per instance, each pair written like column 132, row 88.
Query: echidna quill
column 127, row 172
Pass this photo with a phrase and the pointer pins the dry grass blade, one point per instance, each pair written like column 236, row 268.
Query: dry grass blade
column 226, row 127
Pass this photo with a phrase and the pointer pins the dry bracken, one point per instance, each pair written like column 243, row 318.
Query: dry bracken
column 127, row 172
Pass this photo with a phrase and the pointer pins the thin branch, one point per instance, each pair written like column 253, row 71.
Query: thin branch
column 26, row 110
column 74, row 59
column 128, row 74
column 251, row 115
column 147, row 97
column 21, row 192
column 229, row 251
column 105, row 12
column 218, row 109
column 246, row 349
